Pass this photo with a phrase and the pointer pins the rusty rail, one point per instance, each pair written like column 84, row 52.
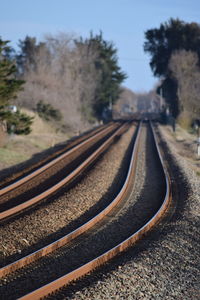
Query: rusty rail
column 53, row 162
column 90, row 266
column 16, row 209
column 75, row 233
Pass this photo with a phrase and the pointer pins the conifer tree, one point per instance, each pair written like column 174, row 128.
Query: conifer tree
column 161, row 43
column 9, row 86
column 111, row 76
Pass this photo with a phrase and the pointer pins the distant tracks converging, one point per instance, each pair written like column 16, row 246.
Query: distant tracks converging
column 90, row 261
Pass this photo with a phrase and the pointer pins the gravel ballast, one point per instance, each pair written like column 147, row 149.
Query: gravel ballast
column 55, row 219
column 165, row 265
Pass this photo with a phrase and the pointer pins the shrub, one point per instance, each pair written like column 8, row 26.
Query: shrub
column 18, row 123
column 47, row 112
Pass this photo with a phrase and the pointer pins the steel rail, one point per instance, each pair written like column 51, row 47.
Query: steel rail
column 52, row 162
column 18, row 208
column 90, row 266
column 66, row 146
column 72, row 235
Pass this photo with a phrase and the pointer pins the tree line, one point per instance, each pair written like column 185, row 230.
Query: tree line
column 68, row 79
column 174, row 49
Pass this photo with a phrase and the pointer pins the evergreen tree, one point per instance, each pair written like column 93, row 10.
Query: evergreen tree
column 9, row 86
column 161, row 43
column 27, row 58
column 171, row 36
column 111, row 76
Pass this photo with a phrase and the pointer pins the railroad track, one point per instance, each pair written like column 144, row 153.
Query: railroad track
column 75, row 259
column 47, row 179
column 46, row 156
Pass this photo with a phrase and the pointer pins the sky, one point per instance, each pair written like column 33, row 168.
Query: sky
column 123, row 22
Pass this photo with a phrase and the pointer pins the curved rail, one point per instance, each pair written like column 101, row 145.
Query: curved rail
column 90, row 266
column 75, row 233
column 16, row 209
column 53, row 162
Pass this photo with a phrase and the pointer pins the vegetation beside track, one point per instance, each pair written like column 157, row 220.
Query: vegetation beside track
column 18, row 148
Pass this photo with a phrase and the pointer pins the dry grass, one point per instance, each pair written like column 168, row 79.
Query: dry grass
column 20, row 148
column 185, row 120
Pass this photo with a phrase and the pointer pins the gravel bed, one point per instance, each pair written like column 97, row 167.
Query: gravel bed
column 138, row 209
column 165, row 265
column 54, row 219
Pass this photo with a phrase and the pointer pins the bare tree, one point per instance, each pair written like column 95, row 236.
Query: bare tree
column 184, row 67
column 64, row 75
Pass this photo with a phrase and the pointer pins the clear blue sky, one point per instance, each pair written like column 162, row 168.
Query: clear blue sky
column 122, row 21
